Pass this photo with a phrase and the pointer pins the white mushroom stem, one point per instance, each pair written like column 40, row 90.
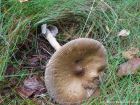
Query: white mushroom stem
column 48, row 35
column 52, row 40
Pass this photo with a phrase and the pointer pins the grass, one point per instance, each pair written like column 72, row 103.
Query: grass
column 77, row 19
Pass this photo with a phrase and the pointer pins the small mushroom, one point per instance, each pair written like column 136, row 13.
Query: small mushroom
column 72, row 72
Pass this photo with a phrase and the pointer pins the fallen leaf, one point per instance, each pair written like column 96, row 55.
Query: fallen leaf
column 35, row 60
column 129, row 67
column 32, row 86
column 10, row 70
column 124, row 33
column 24, row 92
column 34, row 83
column 22, row 1
column 131, row 53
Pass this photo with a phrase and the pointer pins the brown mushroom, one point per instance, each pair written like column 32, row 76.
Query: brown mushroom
column 72, row 71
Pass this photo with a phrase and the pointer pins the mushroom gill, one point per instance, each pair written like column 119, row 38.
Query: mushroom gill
column 71, row 71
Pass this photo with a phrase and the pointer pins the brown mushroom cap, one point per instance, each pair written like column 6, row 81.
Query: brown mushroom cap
column 71, row 70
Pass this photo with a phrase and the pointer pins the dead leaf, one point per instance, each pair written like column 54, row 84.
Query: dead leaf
column 35, row 60
column 10, row 70
column 24, row 92
column 32, row 86
column 35, row 83
column 31, row 83
column 131, row 53
column 129, row 67
column 22, row 1
column 124, row 33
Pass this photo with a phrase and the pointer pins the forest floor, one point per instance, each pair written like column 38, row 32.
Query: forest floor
column 24, row 52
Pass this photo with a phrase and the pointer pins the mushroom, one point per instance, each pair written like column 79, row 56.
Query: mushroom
column 72, row 73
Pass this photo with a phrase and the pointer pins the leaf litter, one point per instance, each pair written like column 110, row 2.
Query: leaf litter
column 130, row 67
column 31, row 59
column 31, row 87
column 131, row 53
column 35, row 60
column 10, row 70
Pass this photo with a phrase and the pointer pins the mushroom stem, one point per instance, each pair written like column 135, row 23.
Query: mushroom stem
column 49, row 36
column 52, row 40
